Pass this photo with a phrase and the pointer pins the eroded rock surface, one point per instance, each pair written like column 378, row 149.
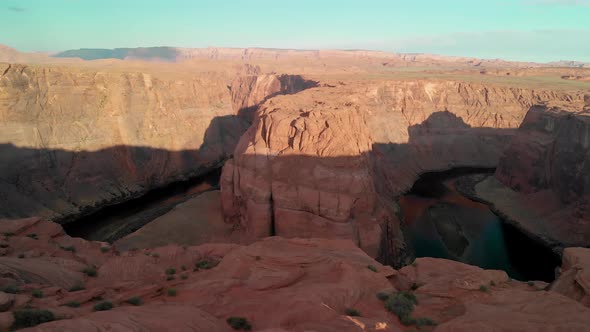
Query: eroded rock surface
column 78, row 138
column 327, row 161
column 277, row 284
column 542, row 181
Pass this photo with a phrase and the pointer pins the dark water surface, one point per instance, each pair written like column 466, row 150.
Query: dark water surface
column 440, row 222
column 114, row 222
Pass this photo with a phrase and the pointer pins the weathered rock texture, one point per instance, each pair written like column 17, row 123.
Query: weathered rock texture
column 542, row 183
column 277, row 284
column 74, row 139
column 328, row 161
column 574, row 278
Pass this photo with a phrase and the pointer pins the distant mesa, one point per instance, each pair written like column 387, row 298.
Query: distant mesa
column 143, row 53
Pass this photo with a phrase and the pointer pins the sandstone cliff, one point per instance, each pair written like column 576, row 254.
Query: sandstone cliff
column 329, row 161
column 74, row 139
column 542, row 182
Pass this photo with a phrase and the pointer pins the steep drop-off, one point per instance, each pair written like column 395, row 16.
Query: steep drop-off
column 542, row 183
column 329, row 161
column 75, row 139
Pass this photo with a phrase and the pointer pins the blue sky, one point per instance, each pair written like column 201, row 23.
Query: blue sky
column 535, row 30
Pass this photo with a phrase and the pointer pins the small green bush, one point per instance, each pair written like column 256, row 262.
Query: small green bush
column 171, row 292
column 382, row 296
column 183, row 267
column 483, row 288
column 33, row 236
column 90, row 271
column 169, row 278
column 414, row 286
column 372, row 268
column 425, row 321
column 401, row 304
column 76, row 288
column 239, row 323
column 352, row 312
column 9, row 234
column 184, row 276
column 135, row 300
column 205, row 264
column 103, row 306
column 105, row 249
column 73, row 304
column 155, row 255
column 530, row 283
column 11, row 289
column 31, row 317
column 69, row 248
column 170, row 271
column 37, row 293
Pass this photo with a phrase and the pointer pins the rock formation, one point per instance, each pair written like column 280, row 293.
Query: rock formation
column 276, row 284
column 79, row 139
column 328, row 161
column 542, row 181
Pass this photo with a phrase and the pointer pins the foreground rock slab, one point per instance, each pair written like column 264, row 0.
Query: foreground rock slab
column 276, row 284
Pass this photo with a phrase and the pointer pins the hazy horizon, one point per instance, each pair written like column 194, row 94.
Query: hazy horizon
column 517, row 30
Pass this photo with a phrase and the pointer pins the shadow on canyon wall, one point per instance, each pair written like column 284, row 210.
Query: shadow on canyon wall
column 287, row 85
column 65, row 185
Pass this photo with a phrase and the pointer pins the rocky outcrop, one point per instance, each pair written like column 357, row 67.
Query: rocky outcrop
column 574, row 277
column 542, row 181
column 277, row 284
column 327, row 162
column 75, row 139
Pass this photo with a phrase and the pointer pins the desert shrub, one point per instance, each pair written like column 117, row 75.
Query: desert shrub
column 155, row 255
column 73, row 304
column 401, row 304
column 205, row 264
column 90, row 271
column 37, row 293
column 9, row 234
column 352, row 312
column 530, row 283
column 169, row 278
column 483, row 288
column 184, row 276
column 31, row 317
column 425, row 321
column 135, row 300
column 170, row 271
column 103, row 306
column 33, row 236
column 372, row 268
column 183, row 267
column 11, row 289
column 105, row 249
column 239, row 323
column 171, row 292
column 68, row 248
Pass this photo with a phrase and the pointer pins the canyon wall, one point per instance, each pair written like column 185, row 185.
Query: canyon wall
column 542, row 183
column 330, row 161
column 75, row 139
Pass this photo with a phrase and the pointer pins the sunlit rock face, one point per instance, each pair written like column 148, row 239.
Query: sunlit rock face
column 329, row 161
column 74, row 139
